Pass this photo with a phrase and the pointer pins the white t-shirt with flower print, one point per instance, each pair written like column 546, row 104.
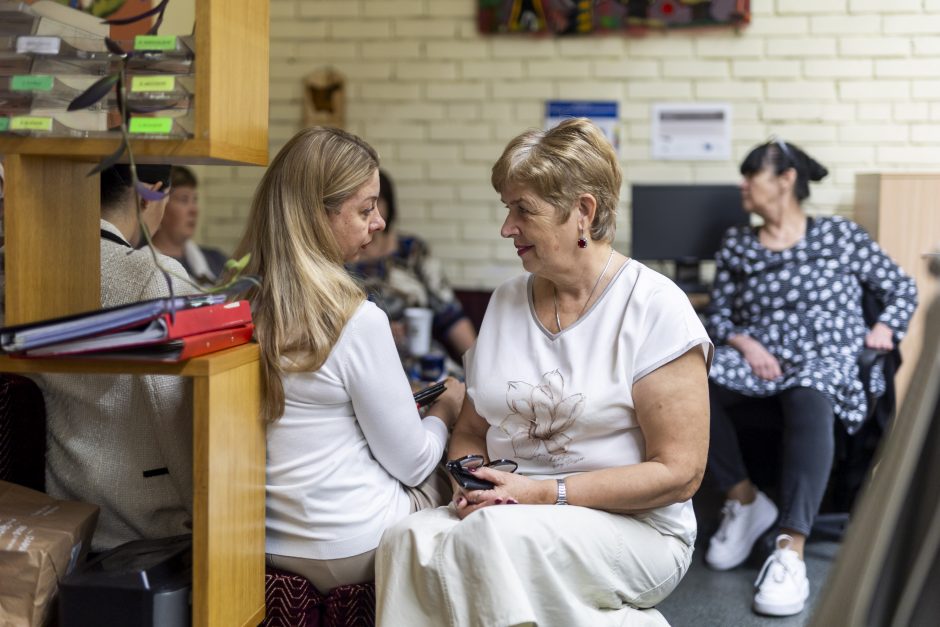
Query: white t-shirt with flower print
column 561, row 403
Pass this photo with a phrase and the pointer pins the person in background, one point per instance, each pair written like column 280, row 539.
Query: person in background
column 124, row 442
column 590, row 376
column 348, row 453
column 398, row 271
column 786, row 314
column 174, row 238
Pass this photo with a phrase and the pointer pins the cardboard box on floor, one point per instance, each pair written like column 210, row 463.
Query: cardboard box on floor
column 41, row 539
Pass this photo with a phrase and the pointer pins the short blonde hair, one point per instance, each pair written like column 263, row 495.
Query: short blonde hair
column 561, row 164
column 306, row 296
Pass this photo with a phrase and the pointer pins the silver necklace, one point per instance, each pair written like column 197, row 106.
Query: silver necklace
column 596, row 283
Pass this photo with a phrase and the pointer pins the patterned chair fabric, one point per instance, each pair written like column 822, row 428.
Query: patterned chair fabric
column 351, row 606
column 292, row 601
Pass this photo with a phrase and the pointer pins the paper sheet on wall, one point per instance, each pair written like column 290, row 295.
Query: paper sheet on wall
column 691, row 131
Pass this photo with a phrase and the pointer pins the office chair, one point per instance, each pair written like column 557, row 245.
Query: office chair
column 854, row 453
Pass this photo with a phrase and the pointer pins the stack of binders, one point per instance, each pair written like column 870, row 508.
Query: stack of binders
column 162, row 329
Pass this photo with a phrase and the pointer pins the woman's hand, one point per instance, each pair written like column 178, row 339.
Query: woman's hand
column 758, row 358
column 509, row 489
column 881, row 337
column 447, row 406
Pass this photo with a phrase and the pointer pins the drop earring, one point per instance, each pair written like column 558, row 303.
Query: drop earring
column 582, row 243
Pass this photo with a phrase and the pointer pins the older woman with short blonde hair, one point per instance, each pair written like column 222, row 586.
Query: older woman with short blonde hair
column 589, row 377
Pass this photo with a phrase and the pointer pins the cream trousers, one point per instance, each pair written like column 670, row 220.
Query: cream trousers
column 525, row 565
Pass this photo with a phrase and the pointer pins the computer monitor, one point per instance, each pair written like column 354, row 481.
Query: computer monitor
column 684, row 224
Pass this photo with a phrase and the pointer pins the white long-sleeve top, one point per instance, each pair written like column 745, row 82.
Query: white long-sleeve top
column 349, row 440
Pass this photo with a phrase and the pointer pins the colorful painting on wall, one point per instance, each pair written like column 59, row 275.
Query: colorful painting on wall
column 594, row 17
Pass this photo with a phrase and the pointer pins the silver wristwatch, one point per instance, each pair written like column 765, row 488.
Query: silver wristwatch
column 561, row 497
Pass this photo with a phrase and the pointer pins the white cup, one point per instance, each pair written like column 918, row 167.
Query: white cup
column 418, row 329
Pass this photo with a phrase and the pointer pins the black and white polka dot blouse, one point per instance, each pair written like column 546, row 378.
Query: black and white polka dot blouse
column 804, row 305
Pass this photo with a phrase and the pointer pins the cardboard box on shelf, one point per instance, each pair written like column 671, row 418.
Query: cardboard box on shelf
column 41, row 540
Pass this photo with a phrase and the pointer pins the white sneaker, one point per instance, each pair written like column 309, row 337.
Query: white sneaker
column 741, row 526
column 782, row 586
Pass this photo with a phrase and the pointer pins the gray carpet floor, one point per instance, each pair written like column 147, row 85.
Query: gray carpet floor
column 707, row 598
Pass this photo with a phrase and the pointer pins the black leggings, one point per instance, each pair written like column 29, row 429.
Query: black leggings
column 805, row 421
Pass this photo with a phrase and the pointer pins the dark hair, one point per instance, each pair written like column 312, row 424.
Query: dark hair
column 387, row 193
column 116, row 181
column 115, row 185
column 181, row 176
column 781, row 156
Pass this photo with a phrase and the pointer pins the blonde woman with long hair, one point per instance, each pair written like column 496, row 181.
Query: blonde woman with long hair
column 348, row 453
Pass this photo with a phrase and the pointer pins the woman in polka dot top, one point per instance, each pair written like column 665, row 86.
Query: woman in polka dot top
column 786, row 318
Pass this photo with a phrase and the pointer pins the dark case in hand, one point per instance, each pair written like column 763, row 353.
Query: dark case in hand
column 467, row 480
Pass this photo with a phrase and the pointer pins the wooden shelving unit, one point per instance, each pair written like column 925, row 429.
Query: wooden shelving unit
column 231, row 118
column 52, row 259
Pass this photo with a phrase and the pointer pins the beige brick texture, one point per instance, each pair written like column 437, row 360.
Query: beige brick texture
column 856, row 82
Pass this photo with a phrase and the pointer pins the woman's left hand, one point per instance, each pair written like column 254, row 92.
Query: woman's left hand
column 510, row 489
column 880, row 337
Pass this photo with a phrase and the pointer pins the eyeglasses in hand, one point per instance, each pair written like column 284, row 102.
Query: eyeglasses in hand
column 460, row 471
column 473, row 462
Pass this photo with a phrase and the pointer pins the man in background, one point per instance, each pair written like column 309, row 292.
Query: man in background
column 124, row 442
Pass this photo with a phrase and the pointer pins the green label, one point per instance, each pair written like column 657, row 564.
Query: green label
column 153, row 83
column 155, row 42
column 4, row 123
column 37, row 82
column 151, row 126
column 29, row 123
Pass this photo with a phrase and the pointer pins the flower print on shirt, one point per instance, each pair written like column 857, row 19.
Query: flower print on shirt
column 540, row 415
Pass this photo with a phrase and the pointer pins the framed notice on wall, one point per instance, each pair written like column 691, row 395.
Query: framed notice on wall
column 691, row 131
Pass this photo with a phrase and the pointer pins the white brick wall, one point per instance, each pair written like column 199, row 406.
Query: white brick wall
column 857, row 82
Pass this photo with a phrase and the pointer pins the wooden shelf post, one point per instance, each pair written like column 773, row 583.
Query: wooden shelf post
column 52, row 257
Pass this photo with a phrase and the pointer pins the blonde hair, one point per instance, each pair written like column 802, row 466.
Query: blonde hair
column 560, row 165
column 306, row 297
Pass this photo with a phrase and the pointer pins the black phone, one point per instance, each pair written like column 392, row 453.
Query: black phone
column 467, row 480
column 429, row 394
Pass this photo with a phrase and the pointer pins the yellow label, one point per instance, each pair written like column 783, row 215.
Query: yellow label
column 155, row 42
column 153, row 83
